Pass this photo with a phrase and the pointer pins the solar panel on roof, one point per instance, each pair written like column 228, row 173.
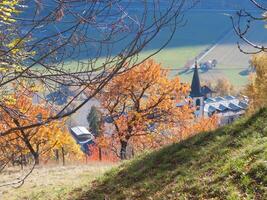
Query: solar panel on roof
column 229, row 97
column 209, row 100
column 211, row 109
column 235, row 107
column 222, row 107
column 219, row 99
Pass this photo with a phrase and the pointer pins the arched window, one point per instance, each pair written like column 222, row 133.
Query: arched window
column 198, row 102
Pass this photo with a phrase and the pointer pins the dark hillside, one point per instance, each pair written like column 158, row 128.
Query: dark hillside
column 229, row 163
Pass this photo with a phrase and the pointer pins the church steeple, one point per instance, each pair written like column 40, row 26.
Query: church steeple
column 195, row 86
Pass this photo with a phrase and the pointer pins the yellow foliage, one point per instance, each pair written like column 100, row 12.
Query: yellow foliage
column 43, row 140
column 7, row 9
column 256, row 90
column 9, row 100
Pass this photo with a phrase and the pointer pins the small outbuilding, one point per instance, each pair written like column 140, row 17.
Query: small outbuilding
column 83, row 137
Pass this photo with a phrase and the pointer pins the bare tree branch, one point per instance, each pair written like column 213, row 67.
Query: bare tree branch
column 242, row 22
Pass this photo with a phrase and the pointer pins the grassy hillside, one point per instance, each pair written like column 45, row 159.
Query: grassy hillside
column 230, row 163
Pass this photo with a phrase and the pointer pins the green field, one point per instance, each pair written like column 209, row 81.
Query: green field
column 202, row 32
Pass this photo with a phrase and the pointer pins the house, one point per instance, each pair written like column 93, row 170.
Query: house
column 60, row 96
column 83, row 137
column 228, row 108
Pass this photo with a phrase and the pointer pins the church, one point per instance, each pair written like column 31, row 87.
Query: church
column 227, row 108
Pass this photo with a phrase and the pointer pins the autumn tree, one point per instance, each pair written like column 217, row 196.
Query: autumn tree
column 37, row 141
column 224, row 87
column 256, row 90
column 79, row 44
column 65, row 145
column 142, row 102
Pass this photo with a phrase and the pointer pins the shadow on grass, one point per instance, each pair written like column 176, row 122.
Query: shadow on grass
column 156, row 172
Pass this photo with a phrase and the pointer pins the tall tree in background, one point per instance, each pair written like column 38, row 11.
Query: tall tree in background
column 257, row 88
column 141, row 102
column 95, row 121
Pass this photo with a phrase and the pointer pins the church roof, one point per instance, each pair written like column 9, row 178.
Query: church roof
column 195, row 86
column 206, row 90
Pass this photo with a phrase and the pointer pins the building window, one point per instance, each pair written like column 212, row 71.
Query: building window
column 198, row 102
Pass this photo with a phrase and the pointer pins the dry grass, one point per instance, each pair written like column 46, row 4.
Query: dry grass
column 53, row 182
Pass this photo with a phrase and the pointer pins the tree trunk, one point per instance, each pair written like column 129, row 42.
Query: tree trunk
column 124, row 144
column 63, row 156
column 36, row 158
column 57, row 156
column 34, row 153
column 100, row 153
column 132, row 152
column 26, row 140
column 21, row 161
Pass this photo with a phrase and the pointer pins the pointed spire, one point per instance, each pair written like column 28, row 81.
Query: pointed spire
column 195, row 86
column 196, row 64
